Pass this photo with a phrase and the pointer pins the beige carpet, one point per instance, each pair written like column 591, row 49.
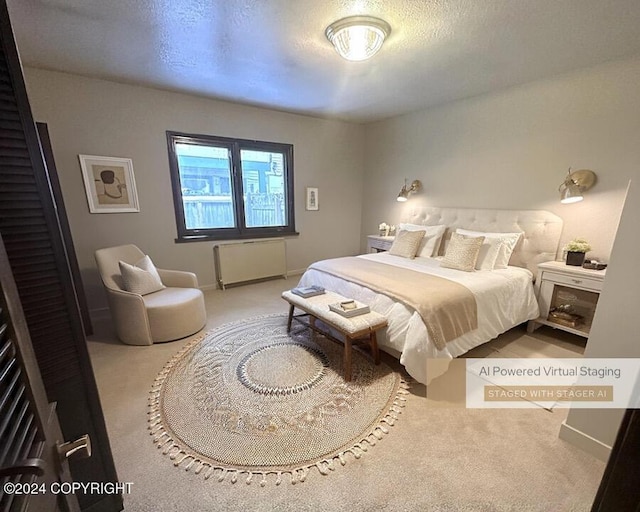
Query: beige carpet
column 434, row 460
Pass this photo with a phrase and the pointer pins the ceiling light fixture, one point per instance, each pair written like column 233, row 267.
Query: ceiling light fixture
column 575, row 184
column 358, row 37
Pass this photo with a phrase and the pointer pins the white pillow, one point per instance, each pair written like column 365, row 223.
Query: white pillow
column 509, row 241
column 462, row 252
column 141, row 278
column 406, row 243
column 431, row 242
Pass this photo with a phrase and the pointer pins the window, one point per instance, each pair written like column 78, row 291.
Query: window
column 230, row 188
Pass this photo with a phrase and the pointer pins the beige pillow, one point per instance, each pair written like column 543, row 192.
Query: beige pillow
column 462, row 252
column 430, row 244
column 406, row 243
column 489, row 251
column 141, row 278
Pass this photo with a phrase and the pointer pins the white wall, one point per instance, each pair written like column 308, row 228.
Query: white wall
column 97, row 117
column 512, row 148
column 614, row 332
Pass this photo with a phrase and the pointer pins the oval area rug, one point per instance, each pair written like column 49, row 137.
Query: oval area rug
column 249, row 400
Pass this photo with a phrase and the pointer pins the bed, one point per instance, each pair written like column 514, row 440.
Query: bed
column 504, row 297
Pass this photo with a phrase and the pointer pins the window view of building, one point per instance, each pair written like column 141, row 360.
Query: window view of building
column 230, row 187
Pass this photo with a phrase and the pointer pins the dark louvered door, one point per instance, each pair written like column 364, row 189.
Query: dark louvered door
column 30, row 227
column 31, row 472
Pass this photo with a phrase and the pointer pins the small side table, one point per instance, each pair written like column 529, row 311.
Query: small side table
column 377, row 243
column 568, row 296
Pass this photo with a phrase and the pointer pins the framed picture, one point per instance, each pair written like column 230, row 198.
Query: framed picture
column 312, row 198
column 109, row 184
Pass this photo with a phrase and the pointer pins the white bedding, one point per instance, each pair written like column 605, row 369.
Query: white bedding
column 505, row 298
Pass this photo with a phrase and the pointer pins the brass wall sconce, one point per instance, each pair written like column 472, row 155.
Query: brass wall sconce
column 404, row 192
column 572, row 188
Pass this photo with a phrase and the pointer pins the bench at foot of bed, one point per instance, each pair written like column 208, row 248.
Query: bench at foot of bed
column 356, row 330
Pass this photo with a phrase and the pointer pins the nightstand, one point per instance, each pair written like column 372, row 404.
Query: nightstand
column 377, row 243
column 567, row 296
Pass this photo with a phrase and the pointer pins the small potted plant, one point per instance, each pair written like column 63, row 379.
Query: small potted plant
column 576, row 249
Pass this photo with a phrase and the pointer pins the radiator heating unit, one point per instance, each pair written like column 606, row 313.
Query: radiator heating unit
column 239, row 262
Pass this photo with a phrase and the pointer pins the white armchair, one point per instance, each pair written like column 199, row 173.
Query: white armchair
column 169, row 314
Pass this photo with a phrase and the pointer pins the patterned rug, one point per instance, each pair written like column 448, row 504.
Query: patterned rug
column 249, row 400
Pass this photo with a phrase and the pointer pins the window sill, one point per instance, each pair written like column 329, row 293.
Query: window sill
column 248, row 236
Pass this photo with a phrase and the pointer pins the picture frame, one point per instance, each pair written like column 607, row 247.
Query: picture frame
column 312, row 198
column 109, row 184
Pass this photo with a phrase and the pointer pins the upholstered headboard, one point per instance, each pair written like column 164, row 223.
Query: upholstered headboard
column 541, row 229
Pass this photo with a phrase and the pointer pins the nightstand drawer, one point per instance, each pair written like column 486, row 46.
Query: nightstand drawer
column 574, row 281
column 377, row 243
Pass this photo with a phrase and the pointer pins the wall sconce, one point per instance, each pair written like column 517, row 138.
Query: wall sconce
column 575, row 184
column 404, row 192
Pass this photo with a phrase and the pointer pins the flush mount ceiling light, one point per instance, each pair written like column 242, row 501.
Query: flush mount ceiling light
column 575, row 184
column 358, row 37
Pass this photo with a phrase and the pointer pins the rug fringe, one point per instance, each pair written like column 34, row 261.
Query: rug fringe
column 188, row 459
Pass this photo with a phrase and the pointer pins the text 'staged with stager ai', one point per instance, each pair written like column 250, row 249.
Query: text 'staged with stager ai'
column 578, row 383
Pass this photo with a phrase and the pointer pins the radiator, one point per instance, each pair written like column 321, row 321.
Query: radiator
column 237, row 262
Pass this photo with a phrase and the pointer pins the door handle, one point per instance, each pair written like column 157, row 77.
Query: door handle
column 80, row 448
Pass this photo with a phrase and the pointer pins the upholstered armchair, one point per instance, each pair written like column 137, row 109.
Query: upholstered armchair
column 170, row 313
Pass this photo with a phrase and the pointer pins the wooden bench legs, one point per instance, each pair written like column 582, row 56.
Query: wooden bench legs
column 371, row 339
column 291, row 308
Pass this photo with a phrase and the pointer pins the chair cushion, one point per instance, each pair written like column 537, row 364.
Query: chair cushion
column 175, row 313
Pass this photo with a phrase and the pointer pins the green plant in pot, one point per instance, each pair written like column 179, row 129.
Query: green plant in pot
column 576, row 249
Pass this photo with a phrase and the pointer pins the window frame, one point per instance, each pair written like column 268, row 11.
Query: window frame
column 235, row 146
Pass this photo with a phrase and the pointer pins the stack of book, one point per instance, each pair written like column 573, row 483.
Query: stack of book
column 563, row 318
column 308, row 291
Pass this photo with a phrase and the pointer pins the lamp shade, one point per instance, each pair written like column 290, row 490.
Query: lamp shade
column 572, row 188
column 405, row 191
column 571, row 193
column 358, row 37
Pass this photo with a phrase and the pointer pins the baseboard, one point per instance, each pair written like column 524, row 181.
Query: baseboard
column 99, row 314
column 585, row 442
column 291, row 273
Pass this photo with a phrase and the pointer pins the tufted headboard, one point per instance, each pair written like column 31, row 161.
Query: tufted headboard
column 541, row 229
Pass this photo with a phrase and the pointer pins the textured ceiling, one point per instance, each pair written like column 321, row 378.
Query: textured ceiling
column 273, row 53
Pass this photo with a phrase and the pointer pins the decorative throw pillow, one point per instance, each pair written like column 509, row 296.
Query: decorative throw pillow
column 462, row 252
column 509, row 242
column 489, row 251
column 431, row 242
column 141, row 278
column 406, row 243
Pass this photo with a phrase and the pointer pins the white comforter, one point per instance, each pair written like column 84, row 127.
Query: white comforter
column 505, row 298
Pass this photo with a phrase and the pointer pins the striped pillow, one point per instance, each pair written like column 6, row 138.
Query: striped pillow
column 406, row 243
column 462, row 252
